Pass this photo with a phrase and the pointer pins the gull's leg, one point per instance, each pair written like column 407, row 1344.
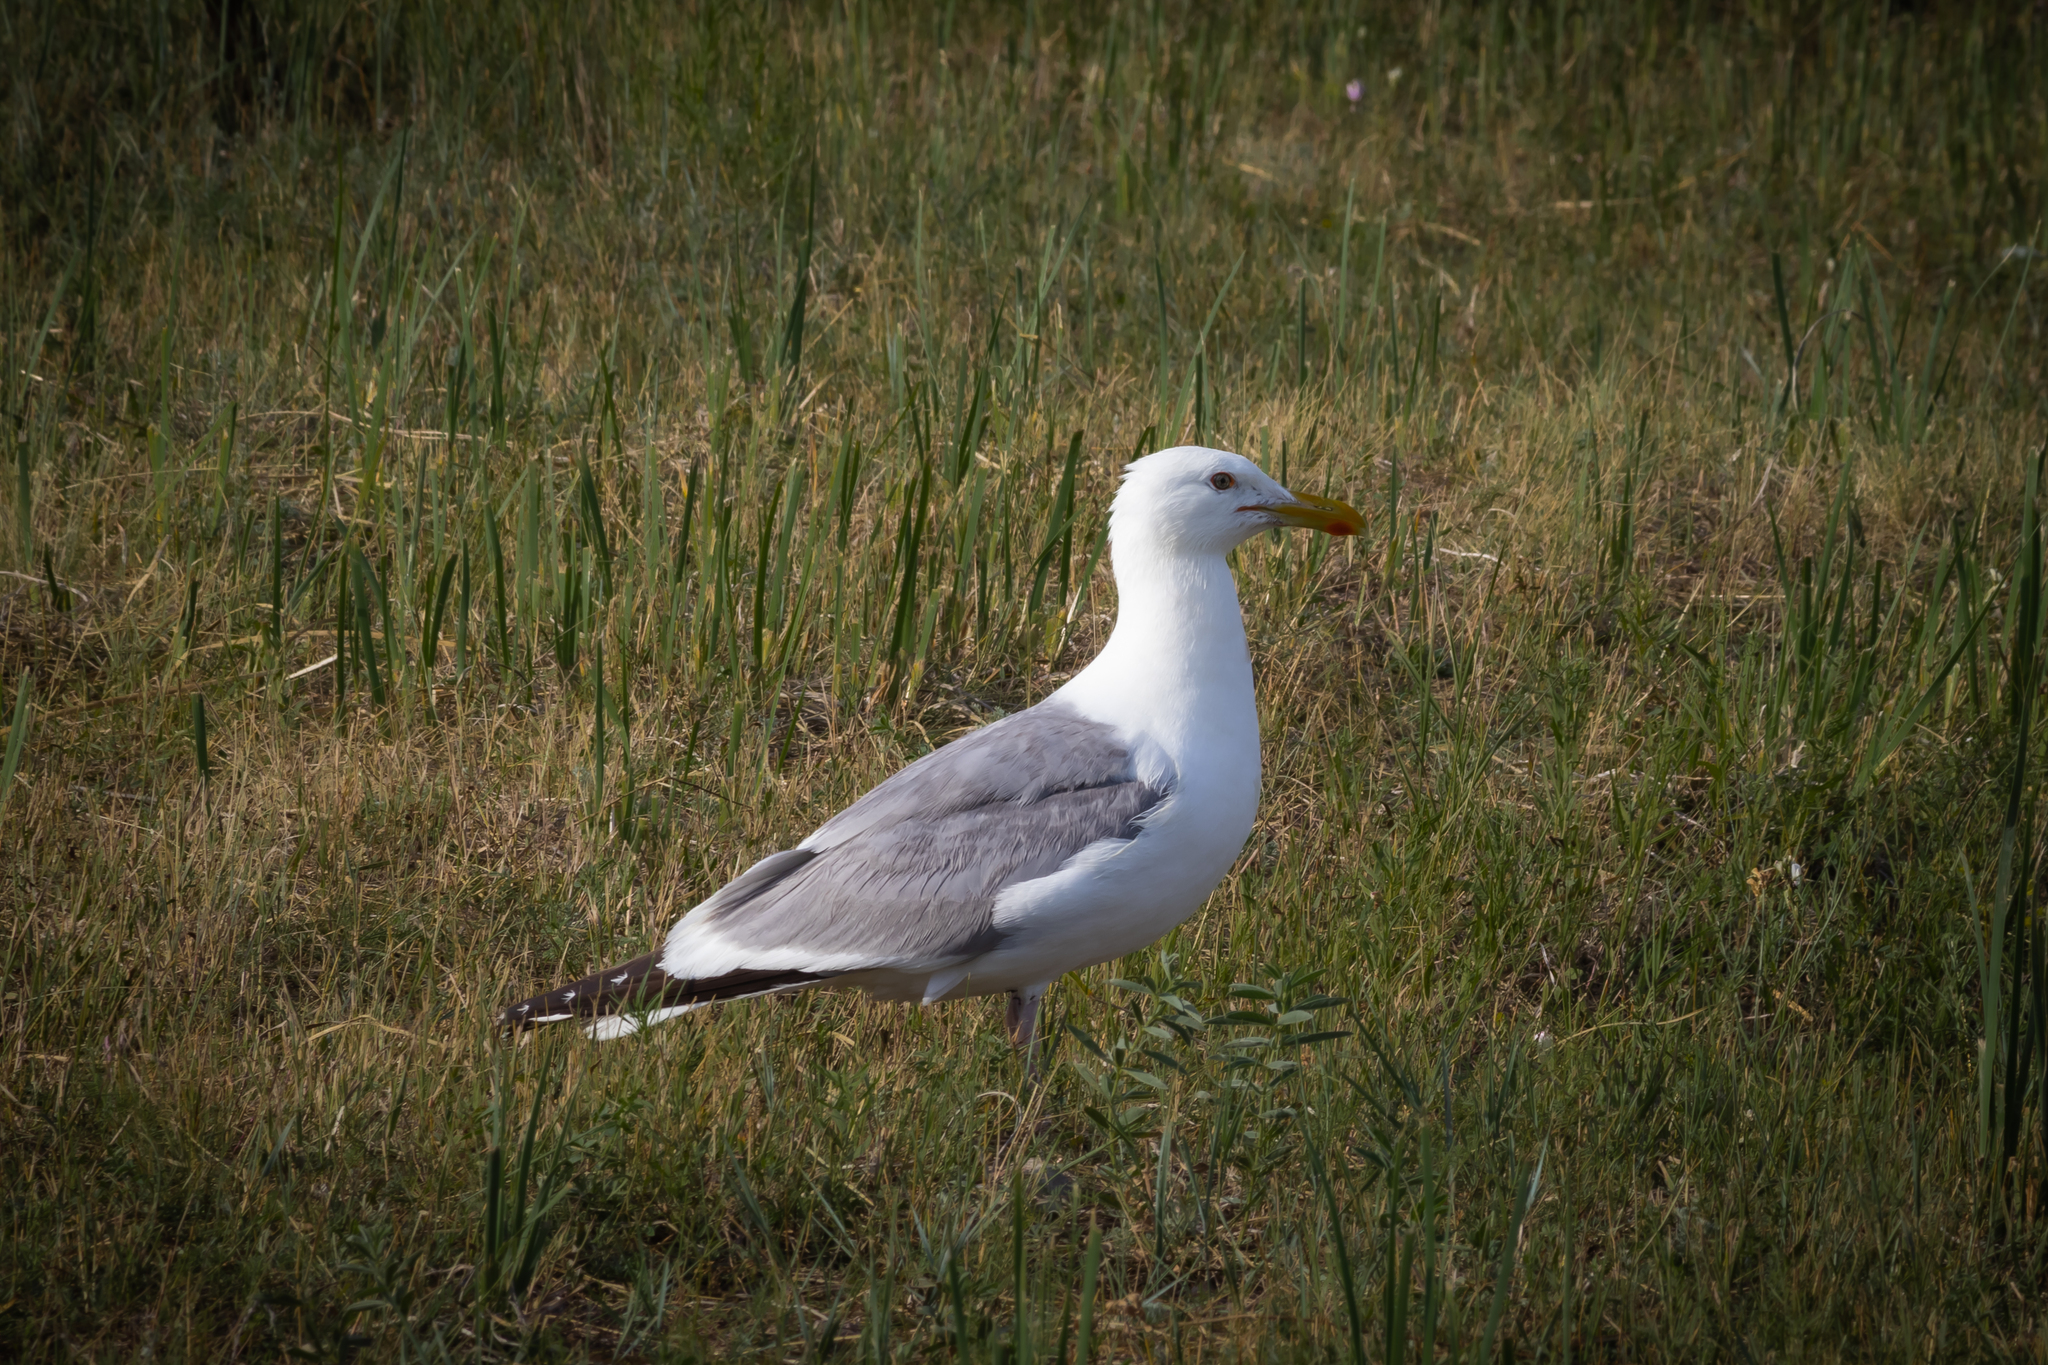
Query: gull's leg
column 1021, row 1019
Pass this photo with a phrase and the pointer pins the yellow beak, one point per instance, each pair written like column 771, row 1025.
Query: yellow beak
column 1318, row 514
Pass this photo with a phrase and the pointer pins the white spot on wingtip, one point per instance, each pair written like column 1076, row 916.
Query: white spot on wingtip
column 621, row 978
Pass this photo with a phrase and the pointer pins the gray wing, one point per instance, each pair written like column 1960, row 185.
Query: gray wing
column 911, row 871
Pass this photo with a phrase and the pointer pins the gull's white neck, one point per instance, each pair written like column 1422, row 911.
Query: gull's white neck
column 1176, row 669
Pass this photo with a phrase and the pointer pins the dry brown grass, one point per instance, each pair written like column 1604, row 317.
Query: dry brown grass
column 1534, row 781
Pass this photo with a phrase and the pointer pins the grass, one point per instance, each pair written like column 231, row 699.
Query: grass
column 480, row 478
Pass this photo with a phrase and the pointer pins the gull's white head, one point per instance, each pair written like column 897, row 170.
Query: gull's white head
column 1194, row 501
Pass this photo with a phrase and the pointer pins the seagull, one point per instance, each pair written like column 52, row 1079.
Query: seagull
column 1071, row 833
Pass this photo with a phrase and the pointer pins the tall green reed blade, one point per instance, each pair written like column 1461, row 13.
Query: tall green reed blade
column 17, row 732
column 517, row 1230
column 501, row 631
column 187, row 633
column 390, row 189
column 162, row 473
column 653, row 552
column 1568, row 1209
column 1087, row 575
column 770, row 1243
column 24, row 456
column 1816, row 612
column 1400, row 1277
column 277, row 576
column 1427, row 345
column 590, row 511
column 956, row 1293
column 799, row 303
column 462, row 610
column 1371, row 310
column 86, row 354
column 1165, row 330
column 1897, row 724
column 1991, row 1024
column 551, row 577
column 224, row 464
column 597, row 735
column 1216, row 305
column 1059, row 536
column 910, row 541
column 60, row 600
column 761, row 571
column 790, row 600
column 715, row 623
column 460, row 368
column 405, row 552
column 970, row 557
column 368, row 654
column 334, row 302
column 1340, row 335
column 1504, row 1271
column 2020, row 937
column 1905, row 403
column 1784, row 333
column 369, row 595
column 1432, row 1279
column 571, row 606
column 498, row 410
column 199, row 745
column 1301, row 333
column 2032, row 254
column 1921, row 405
column 24, row 506
column 686, row 525
column 344, row 617
column 739, row 326
column 430, row 630
column 968, row 438
column 527, row 570
column 1340, row 1243
column 1620, row 559
column 1020, row 1333
column 622, row 712
column 1091, row 1266
column 1161, row 1176
column 881, row 1303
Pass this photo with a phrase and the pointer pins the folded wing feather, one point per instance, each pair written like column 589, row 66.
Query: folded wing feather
column 906, row 877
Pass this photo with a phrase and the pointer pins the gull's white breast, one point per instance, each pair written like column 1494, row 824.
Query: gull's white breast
column 1119, row 896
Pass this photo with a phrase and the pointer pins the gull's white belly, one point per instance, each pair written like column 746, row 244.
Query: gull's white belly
column 1116, row 897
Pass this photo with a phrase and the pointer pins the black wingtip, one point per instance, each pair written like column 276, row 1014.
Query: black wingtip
column 637, row 984
column 641, row 984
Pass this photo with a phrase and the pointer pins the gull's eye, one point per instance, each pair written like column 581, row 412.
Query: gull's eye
column 1222, row 482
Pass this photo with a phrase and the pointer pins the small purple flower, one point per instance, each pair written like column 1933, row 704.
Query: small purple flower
column 1354, row 91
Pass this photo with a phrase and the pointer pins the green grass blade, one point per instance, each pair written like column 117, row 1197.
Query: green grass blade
column 430, row 633
column 1504, row 1270
column 199, row 745
column 1091, row 1266
column 1340, row 1243
column 1785, row 395
column 277, row 576
column 799, row 303
column 24, row 505
column 17, row 732
column 369, row 598
column 462, row 618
